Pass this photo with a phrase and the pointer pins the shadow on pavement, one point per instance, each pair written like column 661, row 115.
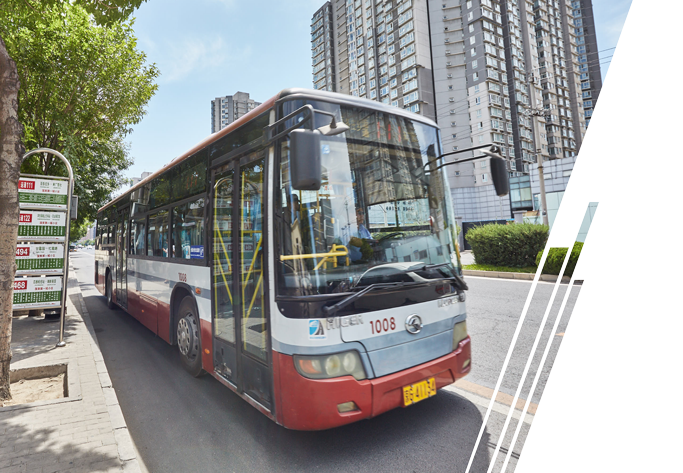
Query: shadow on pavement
column 49, row 448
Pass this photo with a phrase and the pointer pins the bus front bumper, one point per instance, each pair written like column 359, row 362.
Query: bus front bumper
column 311, row 404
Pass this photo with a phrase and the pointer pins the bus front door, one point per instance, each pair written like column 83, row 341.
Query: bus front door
column 240, row 318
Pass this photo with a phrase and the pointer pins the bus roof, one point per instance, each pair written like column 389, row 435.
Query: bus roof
column 283, row 95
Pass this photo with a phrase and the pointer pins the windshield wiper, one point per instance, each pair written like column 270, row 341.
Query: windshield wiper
column 330, row 310
column 455, row 278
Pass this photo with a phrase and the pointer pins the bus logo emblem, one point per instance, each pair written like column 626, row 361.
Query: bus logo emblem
column 316, row 331
column 413, row 324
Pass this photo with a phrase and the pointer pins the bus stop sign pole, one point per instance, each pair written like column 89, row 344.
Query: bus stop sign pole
column 65, row 271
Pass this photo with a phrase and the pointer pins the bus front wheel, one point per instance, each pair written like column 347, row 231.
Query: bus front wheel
column 187, row 335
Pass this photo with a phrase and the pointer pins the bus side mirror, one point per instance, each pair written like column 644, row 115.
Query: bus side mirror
column 305, row 160
column 499, row 174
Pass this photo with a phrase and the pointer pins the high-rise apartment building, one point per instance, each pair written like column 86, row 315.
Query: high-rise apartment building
column 322, row 49
column 225, row 110
column 587, row 50
column 503, row 72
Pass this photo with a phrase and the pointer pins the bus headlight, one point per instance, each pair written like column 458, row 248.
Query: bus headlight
column 459, row 333
column 330, row 366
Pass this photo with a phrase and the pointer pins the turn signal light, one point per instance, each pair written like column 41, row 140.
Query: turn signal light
column 347, row 407
column 309, row 366
column 330, row 366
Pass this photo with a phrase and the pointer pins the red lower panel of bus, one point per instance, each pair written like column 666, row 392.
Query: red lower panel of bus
column 207, row 345
column 311, row 404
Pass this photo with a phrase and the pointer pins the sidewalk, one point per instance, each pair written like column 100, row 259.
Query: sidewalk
column 84, row 432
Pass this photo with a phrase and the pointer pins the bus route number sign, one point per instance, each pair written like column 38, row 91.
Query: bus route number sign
column 43, row 193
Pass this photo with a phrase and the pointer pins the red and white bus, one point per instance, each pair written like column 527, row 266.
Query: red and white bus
column 305, row 256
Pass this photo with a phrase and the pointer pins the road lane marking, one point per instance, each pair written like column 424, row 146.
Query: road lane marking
column 484, row 402
column 501, row 397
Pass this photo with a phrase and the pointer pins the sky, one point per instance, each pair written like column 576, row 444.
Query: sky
column 212, row 48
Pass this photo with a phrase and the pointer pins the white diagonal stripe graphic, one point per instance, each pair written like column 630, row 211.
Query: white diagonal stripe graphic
column 529, row 359
column 538, row 373
column 542, row 362
column 509, row 355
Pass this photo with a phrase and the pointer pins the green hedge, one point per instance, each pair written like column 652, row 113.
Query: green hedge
column 553, row 263
column 514, row 245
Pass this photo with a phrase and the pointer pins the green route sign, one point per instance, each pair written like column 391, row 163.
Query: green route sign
column 41, row 225
column 43, row 193
column 47, row 258
column 37, row 292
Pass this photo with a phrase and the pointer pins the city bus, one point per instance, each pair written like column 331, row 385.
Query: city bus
column 305, row 256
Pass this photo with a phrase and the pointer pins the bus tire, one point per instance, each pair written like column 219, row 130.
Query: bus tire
column 108, row 291
column 188, row 337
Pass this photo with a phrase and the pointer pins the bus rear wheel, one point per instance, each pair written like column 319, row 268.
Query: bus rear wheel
column 187, row 335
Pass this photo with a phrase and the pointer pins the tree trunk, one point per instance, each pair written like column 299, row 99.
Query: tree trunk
column 11, row 151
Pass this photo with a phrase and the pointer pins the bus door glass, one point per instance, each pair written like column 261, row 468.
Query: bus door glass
column 225, row 357
column 121, row 272
column 240, row 312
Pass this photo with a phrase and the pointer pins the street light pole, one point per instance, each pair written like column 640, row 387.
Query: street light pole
column 541, row 180
column 534, row 113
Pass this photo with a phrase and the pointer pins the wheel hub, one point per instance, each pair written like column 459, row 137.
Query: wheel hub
column 187, row 341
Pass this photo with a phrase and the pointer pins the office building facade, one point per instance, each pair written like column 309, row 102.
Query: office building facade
column 500, row 72
column 225, row 110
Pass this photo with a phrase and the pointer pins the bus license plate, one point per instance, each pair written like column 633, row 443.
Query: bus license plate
column 417, row 392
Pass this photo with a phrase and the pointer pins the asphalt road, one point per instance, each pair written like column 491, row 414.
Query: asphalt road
column 180, row 423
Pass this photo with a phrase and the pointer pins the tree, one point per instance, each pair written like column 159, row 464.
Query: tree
column 12, row 148
column 84, row 86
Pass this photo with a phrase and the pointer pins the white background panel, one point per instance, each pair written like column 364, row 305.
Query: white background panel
column 612, row 402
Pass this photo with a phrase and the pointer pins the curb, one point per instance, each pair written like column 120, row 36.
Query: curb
column 519, row 276
column 124, row 442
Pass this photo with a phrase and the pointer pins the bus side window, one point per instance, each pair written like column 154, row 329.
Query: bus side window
column 157, row 236
column 137, row 236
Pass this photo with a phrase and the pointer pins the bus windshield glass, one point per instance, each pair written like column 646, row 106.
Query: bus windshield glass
column 380, row 216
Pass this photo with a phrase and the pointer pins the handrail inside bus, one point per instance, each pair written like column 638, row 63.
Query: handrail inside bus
column 337, row 250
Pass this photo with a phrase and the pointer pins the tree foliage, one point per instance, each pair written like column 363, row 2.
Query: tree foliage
column 104, row 12
column 83, row 86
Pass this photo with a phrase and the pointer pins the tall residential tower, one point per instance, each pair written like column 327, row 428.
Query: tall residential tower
column 225, row 110
column 503, row 72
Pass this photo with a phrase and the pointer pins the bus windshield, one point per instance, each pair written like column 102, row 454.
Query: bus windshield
column 380, row 216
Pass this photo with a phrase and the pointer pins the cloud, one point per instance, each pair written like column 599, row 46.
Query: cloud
column 194, row 55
